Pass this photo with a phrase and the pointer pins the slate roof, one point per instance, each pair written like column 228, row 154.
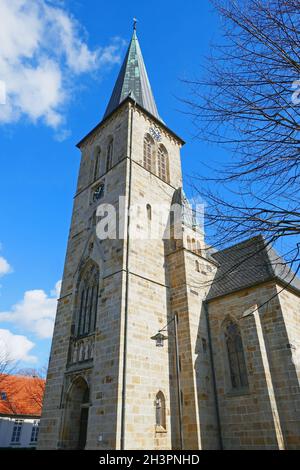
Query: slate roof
column 249, row 263
column 21, row 395
column 133, row 81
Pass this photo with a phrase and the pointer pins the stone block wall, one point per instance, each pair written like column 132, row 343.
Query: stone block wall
column 164, row 279
column 190, row 277
column 255, row 418
column 149, row 369
column 102, row 373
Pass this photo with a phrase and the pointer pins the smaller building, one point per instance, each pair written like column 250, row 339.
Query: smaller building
column 21, row 399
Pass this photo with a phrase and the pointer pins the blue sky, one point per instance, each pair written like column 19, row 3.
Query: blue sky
column 59, row 61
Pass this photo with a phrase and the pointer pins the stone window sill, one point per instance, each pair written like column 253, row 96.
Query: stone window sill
column 83, row 336
column 238, row 393
column 160, row 430
column 74, row 366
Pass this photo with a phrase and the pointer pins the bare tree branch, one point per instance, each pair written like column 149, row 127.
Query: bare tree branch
column 246, row 103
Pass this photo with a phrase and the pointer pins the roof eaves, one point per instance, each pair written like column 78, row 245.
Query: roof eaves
column 239, row 289
column 126, row 100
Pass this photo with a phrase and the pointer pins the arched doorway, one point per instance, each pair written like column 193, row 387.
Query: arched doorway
column 76, row 415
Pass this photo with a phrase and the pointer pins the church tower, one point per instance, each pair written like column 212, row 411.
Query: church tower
column 125, row 277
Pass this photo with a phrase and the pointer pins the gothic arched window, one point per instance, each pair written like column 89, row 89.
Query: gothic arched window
column 198, row 248
column 163, row 163
column 189, row 243
column 97, row 163
column 87, row 300
column 236, row 357
column 149, row 212
column 149, row 154
column 109, row 157
column 160, row 410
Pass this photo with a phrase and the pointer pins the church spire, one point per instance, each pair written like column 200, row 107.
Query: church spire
column 133, row 80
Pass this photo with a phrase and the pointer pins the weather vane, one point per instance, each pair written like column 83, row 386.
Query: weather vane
column 134, row 23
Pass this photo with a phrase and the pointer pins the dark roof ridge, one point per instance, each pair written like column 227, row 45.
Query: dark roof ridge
column 250, row 262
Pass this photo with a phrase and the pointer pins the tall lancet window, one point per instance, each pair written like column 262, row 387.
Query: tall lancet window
column 97, row 163
column 160, row 410
column 163, row 163
column 236, row 357
column 149, row 154
column 87, row 299
column 109, row 157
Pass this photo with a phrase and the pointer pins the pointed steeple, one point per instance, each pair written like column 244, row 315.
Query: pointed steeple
column 133, row 81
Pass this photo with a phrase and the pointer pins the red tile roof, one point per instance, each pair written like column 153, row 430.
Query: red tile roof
column 21, row 395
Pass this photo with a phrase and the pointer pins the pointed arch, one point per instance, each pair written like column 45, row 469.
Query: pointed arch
column 96, row 169
column 163, row 163
column 77, row 404
column 149, row 153
column 109, row 155
column 78, row 382
column 188, row 242
column 149, row 212
column 194, row 246
column 235, row 355
column 160, row 410
column 87, row 299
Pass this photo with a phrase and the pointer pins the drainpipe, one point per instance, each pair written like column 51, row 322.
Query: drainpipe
column 214, row 377
column 126, row 291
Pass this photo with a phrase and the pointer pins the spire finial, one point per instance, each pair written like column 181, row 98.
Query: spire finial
column 134, row 24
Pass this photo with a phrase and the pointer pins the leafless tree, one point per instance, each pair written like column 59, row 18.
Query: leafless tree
column 7, row 367
column 35, row 388
column 6, row 364
column 248, row 101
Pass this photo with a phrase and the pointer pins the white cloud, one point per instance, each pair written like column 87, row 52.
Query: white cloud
column 62, row 135
column 57, row 288
column 35, row 312
column 111, row 54
column 42, row 49
column 15, row 347
column 5, row 267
